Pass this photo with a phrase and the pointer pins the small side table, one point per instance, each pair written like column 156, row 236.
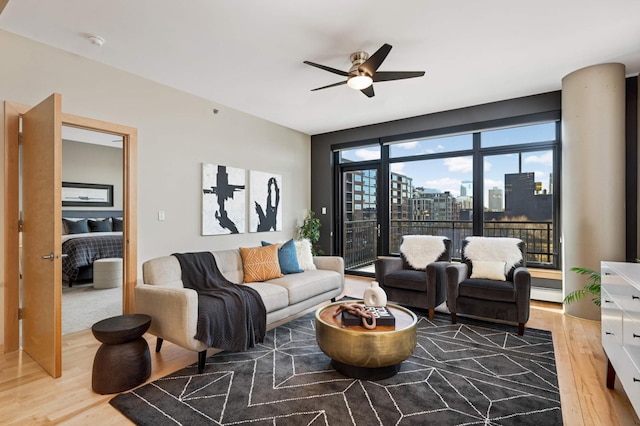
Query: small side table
column 123, row 360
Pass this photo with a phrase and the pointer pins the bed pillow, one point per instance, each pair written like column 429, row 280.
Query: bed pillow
column 488, row 270
column 305, row 257
column 100, row 225
column 76, row 226
column 260, row 263
column 287, row 257
column 117, row 224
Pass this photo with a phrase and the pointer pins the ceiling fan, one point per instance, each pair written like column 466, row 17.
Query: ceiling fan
column 364, row 71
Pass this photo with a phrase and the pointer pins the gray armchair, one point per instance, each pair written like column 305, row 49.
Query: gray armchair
column 500, row 285
column 416, row 279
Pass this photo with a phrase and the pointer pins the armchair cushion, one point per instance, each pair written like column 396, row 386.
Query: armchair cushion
column 488, row 269
column 407, row 279
column 487, row 289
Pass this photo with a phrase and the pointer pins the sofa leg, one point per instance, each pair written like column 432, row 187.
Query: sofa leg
column 158, row 344
column 454, row 318
column 432, row 313
column 520, row 329
column 333, row 299
column 202, row 357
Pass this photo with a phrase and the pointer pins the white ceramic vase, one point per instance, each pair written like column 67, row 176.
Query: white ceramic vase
column 375, row 295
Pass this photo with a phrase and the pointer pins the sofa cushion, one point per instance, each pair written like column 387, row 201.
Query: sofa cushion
column 275, row 297
column 230, row 264
column 287, row 257
column 260, row 263
column 308, row 284
column 407, row 279
column 305, row 257
column 501, row 291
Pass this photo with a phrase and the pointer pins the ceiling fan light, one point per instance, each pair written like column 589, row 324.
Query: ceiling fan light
column 359, row 82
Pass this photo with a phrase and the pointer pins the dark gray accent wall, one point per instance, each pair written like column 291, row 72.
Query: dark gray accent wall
column 463, row 119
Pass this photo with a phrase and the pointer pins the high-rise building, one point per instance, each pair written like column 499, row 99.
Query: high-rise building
column 400, row 192
column 496, row 199
column 466, row 188
column 521, row 198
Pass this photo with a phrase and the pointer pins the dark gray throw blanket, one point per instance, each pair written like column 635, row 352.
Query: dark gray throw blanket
column 231, row 317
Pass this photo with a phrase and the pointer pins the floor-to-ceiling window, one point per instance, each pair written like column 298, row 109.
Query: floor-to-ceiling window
column 495, row 182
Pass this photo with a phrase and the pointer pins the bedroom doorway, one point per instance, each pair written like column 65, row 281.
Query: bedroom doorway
column 41, row 309
column 92, row 207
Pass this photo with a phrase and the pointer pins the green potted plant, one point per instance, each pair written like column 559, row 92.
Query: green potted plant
column 592, row 287
column 310, row 229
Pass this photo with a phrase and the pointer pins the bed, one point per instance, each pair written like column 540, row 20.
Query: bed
column 88, row 236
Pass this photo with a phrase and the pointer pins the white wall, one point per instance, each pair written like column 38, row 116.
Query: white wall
column 176, row 133
column 91, row 163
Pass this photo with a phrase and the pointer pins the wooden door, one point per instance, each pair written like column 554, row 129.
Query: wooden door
column 41, row 242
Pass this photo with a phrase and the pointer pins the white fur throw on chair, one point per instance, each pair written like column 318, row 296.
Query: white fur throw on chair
column 494, row 249
column 420, row 250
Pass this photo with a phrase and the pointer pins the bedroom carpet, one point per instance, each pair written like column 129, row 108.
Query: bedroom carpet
column 471, row 373
column 83, row 306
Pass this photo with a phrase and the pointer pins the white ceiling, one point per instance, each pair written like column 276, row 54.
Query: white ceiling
column 249, row 54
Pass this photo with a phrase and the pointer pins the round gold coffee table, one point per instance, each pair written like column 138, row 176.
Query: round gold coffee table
column 366, row 354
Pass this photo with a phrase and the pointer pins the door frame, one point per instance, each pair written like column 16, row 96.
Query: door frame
column 12, row 113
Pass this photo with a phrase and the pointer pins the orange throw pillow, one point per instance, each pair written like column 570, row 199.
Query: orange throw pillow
column 260, row 263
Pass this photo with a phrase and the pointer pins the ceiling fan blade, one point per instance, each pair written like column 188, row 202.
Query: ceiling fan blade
column 369, row 91
column 375, row 60
column 323, row 67
column 331, row 85
column 396, row 75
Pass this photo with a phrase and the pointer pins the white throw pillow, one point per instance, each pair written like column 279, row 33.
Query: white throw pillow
column 488, row 270
column 303, row 252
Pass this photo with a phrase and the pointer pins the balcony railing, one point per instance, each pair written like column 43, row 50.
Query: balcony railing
column 361, row 238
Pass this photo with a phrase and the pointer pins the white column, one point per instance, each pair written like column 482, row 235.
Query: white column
column 593, row 175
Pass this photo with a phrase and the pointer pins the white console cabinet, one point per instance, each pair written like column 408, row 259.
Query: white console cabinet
column 620, row 303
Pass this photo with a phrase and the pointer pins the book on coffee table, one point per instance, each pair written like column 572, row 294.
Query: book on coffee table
column 382, row 314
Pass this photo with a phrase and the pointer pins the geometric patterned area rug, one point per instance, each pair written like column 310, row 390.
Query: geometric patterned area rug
column 471, row 373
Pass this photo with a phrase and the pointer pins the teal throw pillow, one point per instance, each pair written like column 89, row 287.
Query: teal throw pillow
column 287, row 257
column 100, row 225
column 76, row 226
column 117, row 224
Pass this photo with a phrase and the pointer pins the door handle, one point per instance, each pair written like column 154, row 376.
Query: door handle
column 51, row 256
column 378, row 230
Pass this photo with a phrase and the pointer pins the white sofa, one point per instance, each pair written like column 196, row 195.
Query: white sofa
column 174, row 309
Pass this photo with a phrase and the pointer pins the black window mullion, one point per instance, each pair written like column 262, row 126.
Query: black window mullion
column 478, row 187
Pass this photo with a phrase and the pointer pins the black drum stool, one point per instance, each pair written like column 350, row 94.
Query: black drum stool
column 123, row 360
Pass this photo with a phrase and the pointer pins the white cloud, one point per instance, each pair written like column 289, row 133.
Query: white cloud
column 365, row 154
column 397, row 167
column 490, row 183
column 445, row 184
column 440, row 147
column 459, row 164
column 487, row 166
column 545, row 159
column 407, row 145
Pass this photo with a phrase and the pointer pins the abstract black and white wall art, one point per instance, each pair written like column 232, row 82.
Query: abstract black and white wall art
column 223, row 200
column 265, row 208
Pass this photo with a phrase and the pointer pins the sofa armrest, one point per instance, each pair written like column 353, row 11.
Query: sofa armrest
column 331, row 263
column 385, row 266
column 173, row 312
column 456, row 273
column 522, row 284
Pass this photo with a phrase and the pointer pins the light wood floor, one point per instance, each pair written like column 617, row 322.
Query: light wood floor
column 29, row 396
